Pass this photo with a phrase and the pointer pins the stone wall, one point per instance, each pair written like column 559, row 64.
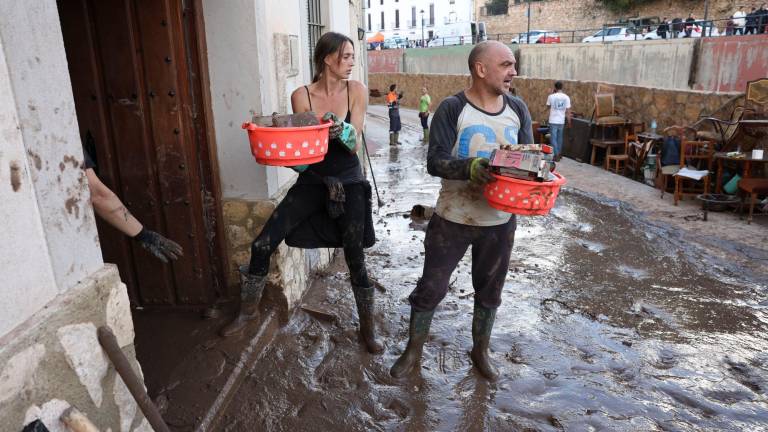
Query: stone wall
column 639, row 104
column 53, row 360
column 590, row 14
column 290, row 268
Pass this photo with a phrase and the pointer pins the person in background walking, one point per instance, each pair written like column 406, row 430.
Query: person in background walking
column 762, row 19
column 425, row 105
column 663, row 28
column 677, row 27
column 739, row 21
column 689, row 23
column 751, row 22
column 393, row 103
column 559, row 110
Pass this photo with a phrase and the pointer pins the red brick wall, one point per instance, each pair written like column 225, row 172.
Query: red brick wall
column 390, row 60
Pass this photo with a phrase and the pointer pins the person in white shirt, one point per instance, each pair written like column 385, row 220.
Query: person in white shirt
column 559, row 110
column 739, row 21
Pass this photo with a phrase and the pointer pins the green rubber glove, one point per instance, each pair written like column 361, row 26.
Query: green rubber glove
column 343, row 131
column 299, row 168
column 480, row 171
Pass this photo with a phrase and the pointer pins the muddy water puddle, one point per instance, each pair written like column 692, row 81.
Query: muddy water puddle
column 607, row 323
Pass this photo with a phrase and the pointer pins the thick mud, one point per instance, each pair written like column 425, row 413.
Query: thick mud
column 608, row 322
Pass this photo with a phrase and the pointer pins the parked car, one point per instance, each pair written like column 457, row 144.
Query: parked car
column 394, row 43
column 536, row 36
column 615, row 34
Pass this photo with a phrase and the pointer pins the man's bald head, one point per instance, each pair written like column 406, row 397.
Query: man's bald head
column 480, row 52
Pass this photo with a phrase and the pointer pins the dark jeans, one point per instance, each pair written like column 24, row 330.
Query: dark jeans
column 394, row 120
column 301, row 202
column 445, row 245
column 424, row 120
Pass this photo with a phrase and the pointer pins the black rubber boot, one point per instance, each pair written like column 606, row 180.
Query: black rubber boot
column 397, row 138
column 418, row 331
column 391, row 138
column 482, row 325
column 365, row 306
column 251, row 288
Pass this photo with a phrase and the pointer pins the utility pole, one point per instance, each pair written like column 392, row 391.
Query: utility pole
column 704, row 24
column 422, row 28
column 528, row 33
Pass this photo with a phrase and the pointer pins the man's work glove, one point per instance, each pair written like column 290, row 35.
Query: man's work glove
column 480, row 171
column 342, row 131
column 158, row 245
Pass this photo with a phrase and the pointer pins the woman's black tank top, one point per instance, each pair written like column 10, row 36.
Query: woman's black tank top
column 338, row 162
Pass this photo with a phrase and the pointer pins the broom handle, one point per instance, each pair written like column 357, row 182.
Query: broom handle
column 375, row 187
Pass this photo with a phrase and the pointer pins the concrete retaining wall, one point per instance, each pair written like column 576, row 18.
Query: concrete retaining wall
column 722, row 64
column 727, row 63
column 639, row 104
column 660, row 64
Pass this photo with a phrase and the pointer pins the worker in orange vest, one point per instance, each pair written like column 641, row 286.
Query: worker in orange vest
column 393, row 103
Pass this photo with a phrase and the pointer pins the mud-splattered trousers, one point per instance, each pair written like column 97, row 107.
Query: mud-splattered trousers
column 445, row 245
column 447, row 240
column 299, row 204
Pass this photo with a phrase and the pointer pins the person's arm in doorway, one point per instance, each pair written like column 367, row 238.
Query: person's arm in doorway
column 109, row 207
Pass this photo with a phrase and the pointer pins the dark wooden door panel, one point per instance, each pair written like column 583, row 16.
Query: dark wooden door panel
column 160, row 42
column 133, row 81
column 89, row 99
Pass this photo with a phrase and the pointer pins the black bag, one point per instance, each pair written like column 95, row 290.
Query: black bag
column 670, row 151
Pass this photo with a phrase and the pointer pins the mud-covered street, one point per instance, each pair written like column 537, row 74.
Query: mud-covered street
column 608, row 322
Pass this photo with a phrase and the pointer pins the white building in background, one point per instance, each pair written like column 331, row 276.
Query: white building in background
column 403, row 18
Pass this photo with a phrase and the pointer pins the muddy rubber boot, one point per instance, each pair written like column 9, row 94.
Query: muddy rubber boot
column 365, row 306
column 391, row 138
column 251, row 287
column 426, row 135
column 418, row 331
column 397, row 138
column 482, row 325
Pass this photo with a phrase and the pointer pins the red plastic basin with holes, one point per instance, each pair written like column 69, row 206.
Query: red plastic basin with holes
column 523, row 197
column 288, row 146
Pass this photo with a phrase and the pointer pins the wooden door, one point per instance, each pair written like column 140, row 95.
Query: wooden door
column 134, row 67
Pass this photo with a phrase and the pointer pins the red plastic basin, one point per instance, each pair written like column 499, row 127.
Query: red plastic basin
column 288, row 146
column 523, row 197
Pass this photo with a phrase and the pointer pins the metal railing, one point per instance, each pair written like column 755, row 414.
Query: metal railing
column 614, row 32
column 700, row 28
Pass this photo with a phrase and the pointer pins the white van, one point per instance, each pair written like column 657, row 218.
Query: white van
column 459, row 33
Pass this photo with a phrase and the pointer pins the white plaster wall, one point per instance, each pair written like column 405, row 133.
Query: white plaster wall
column 26, row 279
column 232, row 38
column 243, row 75
column 39, row 79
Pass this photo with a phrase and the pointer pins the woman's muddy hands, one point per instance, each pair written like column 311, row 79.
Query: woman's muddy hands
column 341, row 131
